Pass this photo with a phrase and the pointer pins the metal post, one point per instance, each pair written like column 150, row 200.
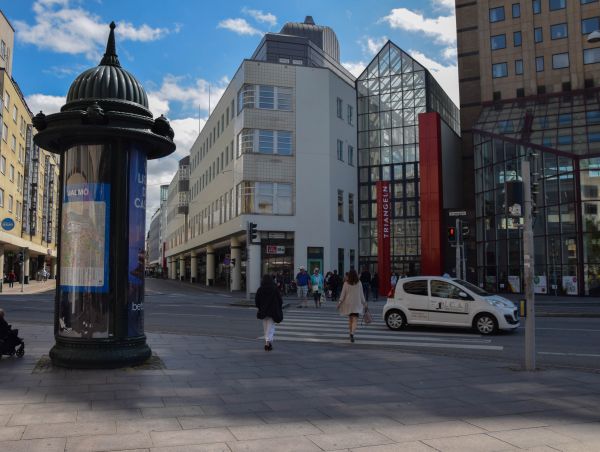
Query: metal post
column 528, row 263
column 22, row 259
column 247, row 260
column 464, row 262
column 457, row 248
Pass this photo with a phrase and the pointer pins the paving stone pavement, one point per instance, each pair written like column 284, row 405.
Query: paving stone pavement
column 220, row 394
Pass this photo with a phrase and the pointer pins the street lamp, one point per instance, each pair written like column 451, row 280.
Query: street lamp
column 594, row 36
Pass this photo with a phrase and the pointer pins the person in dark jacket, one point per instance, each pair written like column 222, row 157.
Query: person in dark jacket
column 270, row 308
column 4, row 326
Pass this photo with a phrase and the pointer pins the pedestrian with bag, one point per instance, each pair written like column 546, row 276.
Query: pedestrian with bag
column 270, row 309
column 352, row 301
column 316, row 282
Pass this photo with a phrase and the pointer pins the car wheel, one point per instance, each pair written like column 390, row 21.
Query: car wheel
column 21, row 352
column 485, row 324
column 395, row 320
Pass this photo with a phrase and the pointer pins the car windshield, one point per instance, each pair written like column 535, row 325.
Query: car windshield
column 472, row 287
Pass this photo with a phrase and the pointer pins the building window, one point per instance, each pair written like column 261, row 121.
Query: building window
column 516, row 10
column 15, row 114
column 497, row 14
column 340, row 205
column 350, row 208
column 339, row 107
column 589, row 25
column 350, row 155
column 3, row 165
column 557, row 4
column 591, row 56
column 517, row 40
column 11, row 173
column 264, row 198
column 498, row 42
column 266, row 98
column 558, row 31
column 585, row 2
column 537, row 6
column 264, row 142
column 5, row 132
column 499, row 70
column 341, row 269
column 560, row 60
column 538, row 35
column 246, row 97
column 1, row 197
column 284, row 98
column 350, row 114
column 340, row 150
column 10, row 203
column 539, row 64
column 519, row 67
column 7, row 101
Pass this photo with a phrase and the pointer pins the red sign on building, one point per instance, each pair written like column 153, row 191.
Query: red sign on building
column 384, row 230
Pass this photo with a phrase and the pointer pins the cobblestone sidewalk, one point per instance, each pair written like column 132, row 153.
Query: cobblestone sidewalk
column 219, row 394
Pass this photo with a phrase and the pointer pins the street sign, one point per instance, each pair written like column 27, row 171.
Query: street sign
column 458, row 213
column 8, row 224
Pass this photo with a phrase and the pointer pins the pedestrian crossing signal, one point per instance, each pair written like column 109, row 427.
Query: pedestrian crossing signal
column 452, row 234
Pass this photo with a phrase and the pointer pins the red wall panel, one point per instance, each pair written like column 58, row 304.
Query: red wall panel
column 431, row 196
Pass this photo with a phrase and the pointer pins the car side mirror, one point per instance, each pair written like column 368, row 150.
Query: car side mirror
column 463, row 295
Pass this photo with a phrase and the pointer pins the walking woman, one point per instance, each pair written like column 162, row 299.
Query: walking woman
column 269, row 304
column 352, row 301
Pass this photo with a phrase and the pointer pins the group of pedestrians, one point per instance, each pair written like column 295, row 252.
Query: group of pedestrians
column 352, row 300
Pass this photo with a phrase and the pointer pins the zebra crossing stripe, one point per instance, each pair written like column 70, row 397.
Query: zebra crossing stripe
column 288, row 338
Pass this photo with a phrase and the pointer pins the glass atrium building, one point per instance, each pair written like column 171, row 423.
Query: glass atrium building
column 564, row 132
column 391, row 94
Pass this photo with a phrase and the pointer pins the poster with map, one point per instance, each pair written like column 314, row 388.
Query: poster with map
column 84, row 238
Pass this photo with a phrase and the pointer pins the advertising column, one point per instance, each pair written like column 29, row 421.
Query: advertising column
column 384, row 206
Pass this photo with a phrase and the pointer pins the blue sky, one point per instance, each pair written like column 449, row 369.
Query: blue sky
column 177, row 49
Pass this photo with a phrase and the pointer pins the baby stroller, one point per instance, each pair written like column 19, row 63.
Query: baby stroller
column 9, row 344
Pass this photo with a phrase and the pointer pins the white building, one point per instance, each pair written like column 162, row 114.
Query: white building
column 278, row 150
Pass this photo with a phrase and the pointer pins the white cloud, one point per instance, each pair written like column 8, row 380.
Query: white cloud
column 63, row 28
column 447, row 76
column 192, row 94
column 355, row 67
column 450, row 52
column 239, row 26
column 45, row 103
column 371, row 45
column 442, row 28
column 444, row 4
column 259, row 16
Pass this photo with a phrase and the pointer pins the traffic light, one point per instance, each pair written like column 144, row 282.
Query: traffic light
column 20, row 257
column 452, row 234
column 252, row 232
column 465, row 231
column 535, row 190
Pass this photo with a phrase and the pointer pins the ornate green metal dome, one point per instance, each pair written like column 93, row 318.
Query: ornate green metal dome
column 107, row 81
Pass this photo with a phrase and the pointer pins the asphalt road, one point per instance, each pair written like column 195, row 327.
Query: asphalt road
column 179, row 308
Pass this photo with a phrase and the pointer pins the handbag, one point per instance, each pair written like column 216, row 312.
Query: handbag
column 367, row 317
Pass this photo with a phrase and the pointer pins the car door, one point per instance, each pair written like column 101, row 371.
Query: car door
column 448, row 303
column 417, row 298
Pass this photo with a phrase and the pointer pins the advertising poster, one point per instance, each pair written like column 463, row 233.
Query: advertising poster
column 569, row 284
column 514, row 284
column 136, row 256
column 85, row 238
column 540, row 285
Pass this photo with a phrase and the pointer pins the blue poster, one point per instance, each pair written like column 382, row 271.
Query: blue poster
column 137, row 255
column 85, row 238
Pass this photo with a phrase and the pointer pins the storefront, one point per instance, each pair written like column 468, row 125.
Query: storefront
column 277, row 253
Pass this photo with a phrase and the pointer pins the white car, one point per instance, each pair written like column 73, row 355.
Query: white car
column 430, row 300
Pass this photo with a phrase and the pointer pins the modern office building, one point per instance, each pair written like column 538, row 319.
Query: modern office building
column 529, row 82
column 177, row 207
column 278, row 150
column 408, row 135
column 153, row 255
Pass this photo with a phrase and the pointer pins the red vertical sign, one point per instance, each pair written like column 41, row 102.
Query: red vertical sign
column 384, row 229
